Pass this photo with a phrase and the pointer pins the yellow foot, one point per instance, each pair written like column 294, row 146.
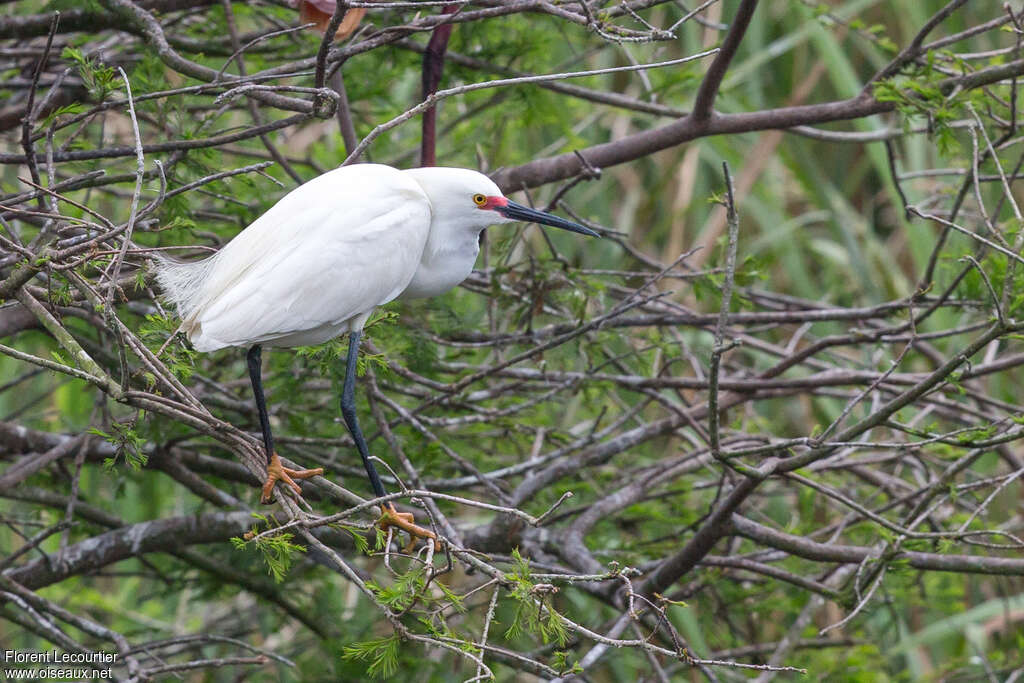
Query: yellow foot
column 404, row 521
column 276, row 471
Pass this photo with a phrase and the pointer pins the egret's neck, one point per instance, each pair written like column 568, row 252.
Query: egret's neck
column 447, row 260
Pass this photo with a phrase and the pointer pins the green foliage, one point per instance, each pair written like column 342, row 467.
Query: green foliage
column 128, row 442
column 276, row 548
column 179, row 358
column 564, row 663
column 358, row 537
column 149, row 74
column 535, row 612
column 382, row 653
column 57, row 112
column 418, row 352
column 325, row 360
column 404, row 591
column 919, row 94
column 99, row 79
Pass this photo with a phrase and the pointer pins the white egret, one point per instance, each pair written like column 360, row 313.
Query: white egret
column 320, row 260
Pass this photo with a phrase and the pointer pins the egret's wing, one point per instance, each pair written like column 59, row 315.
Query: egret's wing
column 329, row 251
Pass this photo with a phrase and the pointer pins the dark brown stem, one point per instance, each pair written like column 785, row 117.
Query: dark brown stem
column 433, row 67
column 705, row 100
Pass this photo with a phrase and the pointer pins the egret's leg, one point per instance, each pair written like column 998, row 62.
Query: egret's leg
column 254, row 359
column 348, row 411
column 275, row 470
column 391, row 516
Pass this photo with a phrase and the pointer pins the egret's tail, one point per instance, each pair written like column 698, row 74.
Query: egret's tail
column 182, row 283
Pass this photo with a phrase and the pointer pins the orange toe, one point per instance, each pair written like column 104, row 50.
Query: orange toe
column 278, row 472
column 406, row 522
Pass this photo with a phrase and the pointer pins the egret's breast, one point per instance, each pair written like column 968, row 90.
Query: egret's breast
column 442, row 270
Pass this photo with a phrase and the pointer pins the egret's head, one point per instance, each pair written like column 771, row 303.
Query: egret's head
column 463, row 198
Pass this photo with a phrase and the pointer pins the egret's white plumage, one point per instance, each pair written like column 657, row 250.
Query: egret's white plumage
column 321, row 259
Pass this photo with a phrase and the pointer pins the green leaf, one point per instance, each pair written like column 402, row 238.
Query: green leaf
column 382, row 653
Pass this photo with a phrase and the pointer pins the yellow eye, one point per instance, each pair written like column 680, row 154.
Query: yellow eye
column 479, row 199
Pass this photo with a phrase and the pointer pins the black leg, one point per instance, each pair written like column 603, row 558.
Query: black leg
column 253, row 358
column 348, row 411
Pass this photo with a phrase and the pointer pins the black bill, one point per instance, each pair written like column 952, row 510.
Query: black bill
column 525, row 213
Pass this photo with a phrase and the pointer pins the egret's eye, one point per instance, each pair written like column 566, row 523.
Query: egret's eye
column 479, row 199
